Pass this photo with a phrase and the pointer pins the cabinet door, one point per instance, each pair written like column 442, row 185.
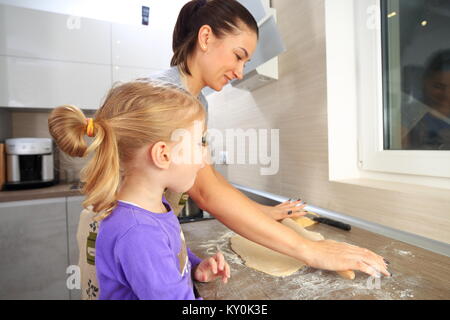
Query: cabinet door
column 141, row 47
column 46, row 35
column 125, row 74
column 74, row 208
column 36, row 83
column 33, row 249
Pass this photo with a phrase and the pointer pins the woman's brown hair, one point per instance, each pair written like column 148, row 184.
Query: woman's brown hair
column 223, row 16
column 133, row 115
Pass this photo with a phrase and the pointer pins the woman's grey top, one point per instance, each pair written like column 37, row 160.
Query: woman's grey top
column 172, row 76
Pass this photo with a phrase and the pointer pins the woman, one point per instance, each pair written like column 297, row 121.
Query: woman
column 212, row 41
column 426, row 126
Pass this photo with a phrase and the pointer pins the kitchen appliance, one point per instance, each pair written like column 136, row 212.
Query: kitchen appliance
column 191, row 213
column 29, row 163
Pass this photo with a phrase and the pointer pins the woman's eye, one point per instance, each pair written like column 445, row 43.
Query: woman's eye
column 238, row 57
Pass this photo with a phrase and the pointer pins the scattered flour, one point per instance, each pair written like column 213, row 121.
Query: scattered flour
column 309, row 283
column 404, row 253
column 222, row 244
column 406, row 294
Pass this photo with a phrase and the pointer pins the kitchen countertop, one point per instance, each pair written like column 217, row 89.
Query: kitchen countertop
column 417, row 273
column 59, row 190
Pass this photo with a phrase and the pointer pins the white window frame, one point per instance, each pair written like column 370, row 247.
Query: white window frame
column 355, row 103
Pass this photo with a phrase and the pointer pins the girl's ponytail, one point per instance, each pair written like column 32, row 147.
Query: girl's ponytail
column 101, row 176
column 68, row 127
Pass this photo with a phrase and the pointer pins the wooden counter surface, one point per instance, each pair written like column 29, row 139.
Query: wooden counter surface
column 56, row 191
column 417, row 273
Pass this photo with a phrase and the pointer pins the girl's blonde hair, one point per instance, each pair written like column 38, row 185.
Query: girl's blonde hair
column 132, row 115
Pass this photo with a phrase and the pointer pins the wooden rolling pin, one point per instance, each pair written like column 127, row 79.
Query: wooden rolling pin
column 349, row 274
column 314, row 236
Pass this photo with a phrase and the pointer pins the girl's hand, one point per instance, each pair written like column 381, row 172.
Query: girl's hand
column 213, row 268
column 287, row 209
column 339, row 256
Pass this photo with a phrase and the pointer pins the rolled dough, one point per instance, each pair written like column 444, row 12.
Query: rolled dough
column 264, row 259
column 271, row 262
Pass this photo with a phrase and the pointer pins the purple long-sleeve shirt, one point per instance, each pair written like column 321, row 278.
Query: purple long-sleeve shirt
column 143, row 255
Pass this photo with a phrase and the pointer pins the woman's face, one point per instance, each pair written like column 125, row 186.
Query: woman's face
column 224, row 59
column 437, row 90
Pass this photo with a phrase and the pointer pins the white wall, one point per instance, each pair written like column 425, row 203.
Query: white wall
column 121, row 11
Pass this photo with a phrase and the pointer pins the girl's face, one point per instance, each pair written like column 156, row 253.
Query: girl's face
column 188, row 156
column 224, row 58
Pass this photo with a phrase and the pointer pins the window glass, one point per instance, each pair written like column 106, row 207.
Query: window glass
column 416, row 74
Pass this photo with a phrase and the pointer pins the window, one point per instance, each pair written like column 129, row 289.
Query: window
column 382, row 57
column 416, row 74
column 403, row 92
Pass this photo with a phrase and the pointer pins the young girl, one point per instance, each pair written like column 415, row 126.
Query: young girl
column 140, row 247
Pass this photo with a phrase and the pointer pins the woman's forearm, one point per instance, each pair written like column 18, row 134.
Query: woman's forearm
column 263, row 208
column 240, row 214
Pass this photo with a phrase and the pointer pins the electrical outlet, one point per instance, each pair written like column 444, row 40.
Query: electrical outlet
column 223, row 157
column 145, row 15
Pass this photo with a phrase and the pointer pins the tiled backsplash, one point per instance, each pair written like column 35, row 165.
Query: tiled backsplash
column 5, row 124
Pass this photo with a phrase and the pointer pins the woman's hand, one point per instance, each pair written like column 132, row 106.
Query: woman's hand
column 287, row 209
column 213, row 268
column 339, row 256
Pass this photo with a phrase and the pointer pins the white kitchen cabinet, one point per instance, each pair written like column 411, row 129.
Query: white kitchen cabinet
column 142, row 47
column 37, row 83
column 50, row 59
column 33, row 249
column 124, row 74
column 74, row 208
column 45, row 35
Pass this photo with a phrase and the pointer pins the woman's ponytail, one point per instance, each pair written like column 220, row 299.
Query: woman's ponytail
column 184, row 34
